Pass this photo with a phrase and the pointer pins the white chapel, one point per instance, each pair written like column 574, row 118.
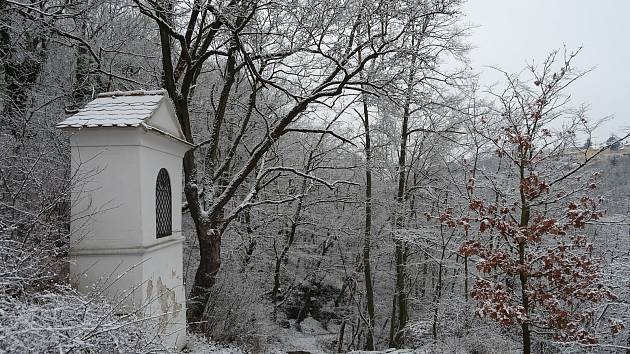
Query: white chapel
column 126, row 237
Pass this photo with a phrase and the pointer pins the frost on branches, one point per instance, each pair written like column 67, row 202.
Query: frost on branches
column 524, row 221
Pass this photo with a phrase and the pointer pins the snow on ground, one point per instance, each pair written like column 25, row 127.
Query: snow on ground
column 201, row 345
column 312, row 339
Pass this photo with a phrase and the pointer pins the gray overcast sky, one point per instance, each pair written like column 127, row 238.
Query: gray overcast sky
column 512, row 33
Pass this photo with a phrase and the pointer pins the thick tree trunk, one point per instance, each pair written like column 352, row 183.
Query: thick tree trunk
column 205, row 277
column 207, row 226
column 210, row 262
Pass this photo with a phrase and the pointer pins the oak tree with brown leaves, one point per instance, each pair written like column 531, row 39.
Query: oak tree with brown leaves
column 525, row 222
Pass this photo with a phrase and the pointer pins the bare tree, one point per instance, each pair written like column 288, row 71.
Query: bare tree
column 302, row 56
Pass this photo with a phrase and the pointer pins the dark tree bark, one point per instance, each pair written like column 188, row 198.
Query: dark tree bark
column 524, row 223
column 367, row 235
column 289, row 239
column 400, row 248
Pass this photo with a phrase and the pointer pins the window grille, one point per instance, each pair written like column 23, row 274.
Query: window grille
column 163, row 205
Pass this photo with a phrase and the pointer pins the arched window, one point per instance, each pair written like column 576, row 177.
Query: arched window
column 163, row 205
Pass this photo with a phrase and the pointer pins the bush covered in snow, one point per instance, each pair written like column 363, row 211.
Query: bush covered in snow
column 64, row 321
column 40, row 312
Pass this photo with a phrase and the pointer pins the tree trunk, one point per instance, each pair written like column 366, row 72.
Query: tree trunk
column 291, row 234
column 527, row 340
column 438, row 290
column 207, row 226
column 425, row 271
column 393, row 322
column 466, row 289
column 524, row 222
column 205, row 277
column 290, row 238
column 401, row 249
column 367, row 236
column 251, row 241
column 400, row 292
column 342, row 329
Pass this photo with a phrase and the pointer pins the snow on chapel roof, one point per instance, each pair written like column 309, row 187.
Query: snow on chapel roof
column 116, row 109
column 128, row 109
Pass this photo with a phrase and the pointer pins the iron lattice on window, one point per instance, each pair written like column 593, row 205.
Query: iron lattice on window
column 163, row 205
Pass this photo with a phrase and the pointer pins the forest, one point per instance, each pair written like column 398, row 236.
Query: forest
column 351, row 185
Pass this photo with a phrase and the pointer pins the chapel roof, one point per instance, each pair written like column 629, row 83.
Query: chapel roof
column 127, row 109
column 117, row 109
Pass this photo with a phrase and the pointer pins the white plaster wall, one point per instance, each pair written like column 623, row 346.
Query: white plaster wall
column 106, row 209
column 144, row 279
column 164, row 266
column 113, row 239
column 164, row 292
column 118, row 276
